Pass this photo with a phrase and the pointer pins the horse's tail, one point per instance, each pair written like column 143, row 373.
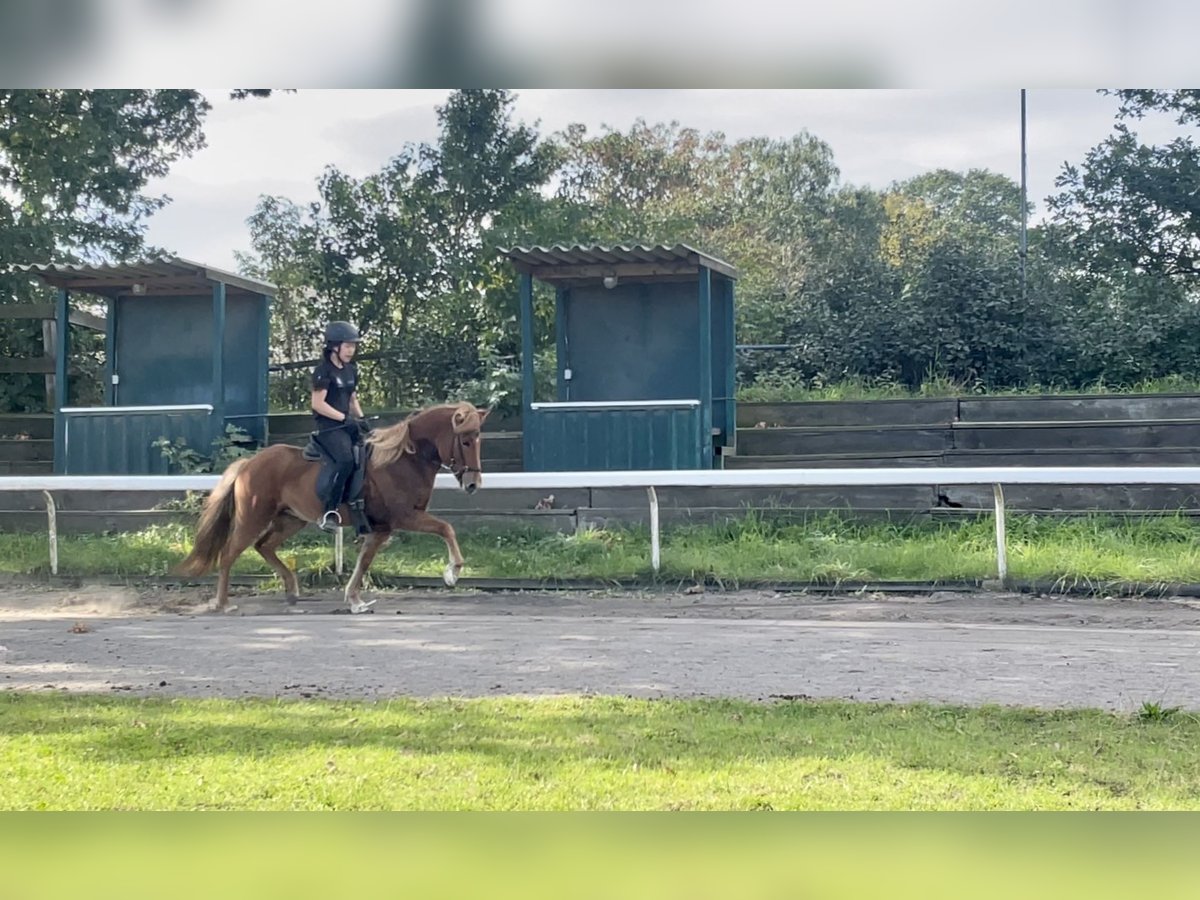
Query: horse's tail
column 216, row 522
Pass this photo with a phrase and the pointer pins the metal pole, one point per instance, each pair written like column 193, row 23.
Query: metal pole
column 1024, row 200
column 52, row 519
column 1001, row 540
column 655, row 543
column 339, row 552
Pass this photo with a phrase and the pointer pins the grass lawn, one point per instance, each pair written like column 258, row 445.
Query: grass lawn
column 74, row 752
column 1092, row 550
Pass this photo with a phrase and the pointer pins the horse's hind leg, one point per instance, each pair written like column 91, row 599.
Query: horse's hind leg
column 245, row 532
column 282, row 527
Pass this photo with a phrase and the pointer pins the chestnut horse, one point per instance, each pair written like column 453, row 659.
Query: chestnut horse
column 265, row 499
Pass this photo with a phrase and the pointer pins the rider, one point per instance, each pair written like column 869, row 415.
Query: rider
column 339, row 418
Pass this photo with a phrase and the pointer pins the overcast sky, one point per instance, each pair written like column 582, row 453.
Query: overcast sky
column 281, row 144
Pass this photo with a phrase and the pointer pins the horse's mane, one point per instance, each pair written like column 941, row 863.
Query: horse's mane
column 392, row 443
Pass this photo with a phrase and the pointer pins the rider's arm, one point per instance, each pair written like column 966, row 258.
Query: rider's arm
column 320, row 406
column 354, row 407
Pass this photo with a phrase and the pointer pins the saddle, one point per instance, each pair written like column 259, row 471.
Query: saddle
column 313, row 452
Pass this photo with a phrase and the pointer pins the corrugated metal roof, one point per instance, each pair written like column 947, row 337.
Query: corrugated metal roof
column 542, row 261
column 182, row 274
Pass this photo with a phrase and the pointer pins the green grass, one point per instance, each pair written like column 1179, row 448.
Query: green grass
column 1090, row 550
column 786, row 389
column 84, row 752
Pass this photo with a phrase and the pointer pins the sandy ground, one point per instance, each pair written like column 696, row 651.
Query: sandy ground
column 951, row 647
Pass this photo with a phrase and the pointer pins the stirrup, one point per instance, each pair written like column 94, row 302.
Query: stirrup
column 326, row 525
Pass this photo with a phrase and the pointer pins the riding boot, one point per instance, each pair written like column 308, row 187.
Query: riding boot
column 330, row 487
column 358, row 515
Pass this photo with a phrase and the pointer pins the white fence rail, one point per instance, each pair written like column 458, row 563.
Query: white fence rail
column 997, row 477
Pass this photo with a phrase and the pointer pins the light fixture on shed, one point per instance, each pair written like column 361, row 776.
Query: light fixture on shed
column 610, row 281
column 139, row 288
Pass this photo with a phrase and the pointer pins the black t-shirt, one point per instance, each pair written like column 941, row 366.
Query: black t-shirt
column 339, row 385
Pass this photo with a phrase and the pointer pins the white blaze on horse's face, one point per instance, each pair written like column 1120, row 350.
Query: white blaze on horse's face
column 468, row 465
column 472, row 477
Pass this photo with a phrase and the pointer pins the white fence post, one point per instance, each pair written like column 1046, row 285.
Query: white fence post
column 339, row 552
column 52, row 521
column 655, row 545
column 1001, row 541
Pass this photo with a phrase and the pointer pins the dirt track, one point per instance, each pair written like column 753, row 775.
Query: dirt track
column 944, row 647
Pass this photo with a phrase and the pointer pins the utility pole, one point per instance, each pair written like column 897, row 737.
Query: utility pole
column 1024, row 203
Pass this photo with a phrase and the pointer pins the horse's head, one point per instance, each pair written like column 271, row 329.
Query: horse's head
column 459, row 445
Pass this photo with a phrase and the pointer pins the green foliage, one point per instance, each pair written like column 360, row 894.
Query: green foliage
column 234, row 444
column 500, row 385
column 73, row 168
column 913, row 287
column 1156, row 712
column 408, row 253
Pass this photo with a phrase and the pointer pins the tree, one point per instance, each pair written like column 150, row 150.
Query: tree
column 654, row 184
column 1134, row 206
column 408, row 252
column 760, row 203
column 1120, row 259
column 981, row 207
column 73, row 168
column 73, row 165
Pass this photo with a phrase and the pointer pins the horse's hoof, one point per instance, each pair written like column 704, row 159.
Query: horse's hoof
column 361, row 606
column 292, row 599
column 450, row 575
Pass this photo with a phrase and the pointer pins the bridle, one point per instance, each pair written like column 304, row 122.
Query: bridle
column 458, row 472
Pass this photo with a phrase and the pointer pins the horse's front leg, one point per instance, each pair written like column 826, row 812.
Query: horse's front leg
column 425, row 523
column 372, row 544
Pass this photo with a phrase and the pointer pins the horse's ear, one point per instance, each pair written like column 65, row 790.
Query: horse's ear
column 483, row 413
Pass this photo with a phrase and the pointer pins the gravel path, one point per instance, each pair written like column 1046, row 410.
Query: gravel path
column 946, row 647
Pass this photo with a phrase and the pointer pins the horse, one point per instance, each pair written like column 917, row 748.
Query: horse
column 266, row 498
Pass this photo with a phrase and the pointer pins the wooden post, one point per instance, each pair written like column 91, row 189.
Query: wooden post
column 110, row 353
column 562, row 361
column 729, row 364
column 62, row 349
column 49, row 349
column 706, row 368
column 218, row 361
column 527, row 397
column 264, row 362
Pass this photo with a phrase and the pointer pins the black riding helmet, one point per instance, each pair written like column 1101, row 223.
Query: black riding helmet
column 341, row 333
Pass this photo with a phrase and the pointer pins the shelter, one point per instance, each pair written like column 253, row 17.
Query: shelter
column 187, row 352
column 645, row 341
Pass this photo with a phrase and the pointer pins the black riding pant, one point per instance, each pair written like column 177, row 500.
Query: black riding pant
column 338, row 444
